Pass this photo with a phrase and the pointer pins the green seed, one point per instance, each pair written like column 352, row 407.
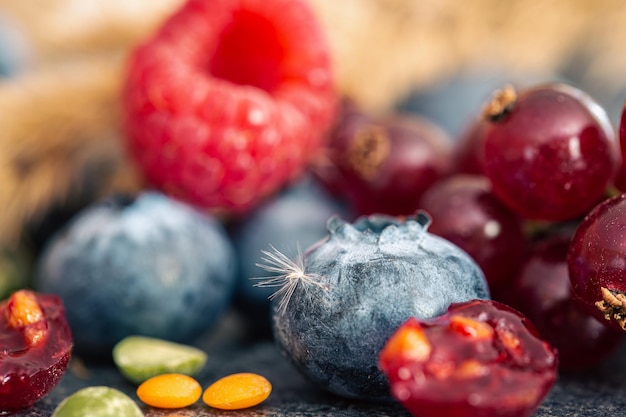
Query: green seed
column 139, row 358
column 98, row 402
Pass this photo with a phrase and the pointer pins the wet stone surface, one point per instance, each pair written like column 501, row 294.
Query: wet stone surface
column 598, row 393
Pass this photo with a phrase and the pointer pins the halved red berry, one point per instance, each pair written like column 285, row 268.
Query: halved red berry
column 229, row 99
column 481, row 358
column 35, row 347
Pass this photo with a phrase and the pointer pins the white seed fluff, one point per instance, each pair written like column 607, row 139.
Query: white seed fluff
column 288, row 273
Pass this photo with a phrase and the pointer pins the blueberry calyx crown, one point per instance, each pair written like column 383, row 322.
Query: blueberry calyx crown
column 378, row 226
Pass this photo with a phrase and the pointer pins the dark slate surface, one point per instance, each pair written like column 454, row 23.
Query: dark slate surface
column 599, row 392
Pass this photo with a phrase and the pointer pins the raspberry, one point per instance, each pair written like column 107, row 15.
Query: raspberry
column 229, row 100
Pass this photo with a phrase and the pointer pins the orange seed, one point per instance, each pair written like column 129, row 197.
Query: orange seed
column 408, row 342
column 24, row 312
column 237, row 391
column 169, row 391
column 471, row 328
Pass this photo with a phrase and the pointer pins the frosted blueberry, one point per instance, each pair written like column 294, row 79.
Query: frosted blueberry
column 343, row 299
column 150, row 266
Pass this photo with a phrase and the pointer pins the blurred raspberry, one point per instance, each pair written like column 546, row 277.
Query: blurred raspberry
column 229, row 99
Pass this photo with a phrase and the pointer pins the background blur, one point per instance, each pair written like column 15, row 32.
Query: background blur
column 61, row 63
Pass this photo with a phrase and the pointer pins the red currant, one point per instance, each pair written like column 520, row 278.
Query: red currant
column 597, row 261
column 468, row 150
column 550, row 151
column 542, row 291
column 384, row 166
column 465, row 212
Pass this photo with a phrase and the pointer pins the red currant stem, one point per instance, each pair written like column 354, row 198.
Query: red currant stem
column 501, row 103
column 613, row 306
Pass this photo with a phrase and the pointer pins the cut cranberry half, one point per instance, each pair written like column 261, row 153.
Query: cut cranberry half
column 36, row 345
column 481, row 358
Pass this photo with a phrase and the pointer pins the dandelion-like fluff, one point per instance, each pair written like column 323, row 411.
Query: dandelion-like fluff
column 288, row 273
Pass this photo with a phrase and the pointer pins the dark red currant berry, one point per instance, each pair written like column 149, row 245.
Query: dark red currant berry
column 542, row 292
column 481, row 358
column 384, row 165
column 465, row 212
column 467, row 155
column 597, row 261
column 550, row 151
column 36, row 345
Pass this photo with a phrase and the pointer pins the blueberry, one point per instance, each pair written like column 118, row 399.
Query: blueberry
column 344, row 298
column 148, row 266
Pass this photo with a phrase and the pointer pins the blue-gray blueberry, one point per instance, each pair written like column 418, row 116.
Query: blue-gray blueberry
column 148, row 265
column 345, row 297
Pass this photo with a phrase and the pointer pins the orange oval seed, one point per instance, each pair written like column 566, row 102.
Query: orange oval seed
column 169, row 391
column 237, row 391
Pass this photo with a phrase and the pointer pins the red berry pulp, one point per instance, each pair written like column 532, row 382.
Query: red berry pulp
column 229, row 100
column 481, row 358
column 549, row 151
column 597, row 262
column 465, row 212
column 542, row 292
column 36, row 347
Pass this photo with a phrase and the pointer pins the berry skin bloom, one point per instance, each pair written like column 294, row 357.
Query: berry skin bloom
column 345, row 296
column 228, row 100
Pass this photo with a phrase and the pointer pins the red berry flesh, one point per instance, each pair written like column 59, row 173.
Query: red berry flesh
column 36, row 348
column 229, row 100
column 542, row 292
column 481, row 358
column 550, row 151
column 597, row 262
column 384, row 165
column 465, row 212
